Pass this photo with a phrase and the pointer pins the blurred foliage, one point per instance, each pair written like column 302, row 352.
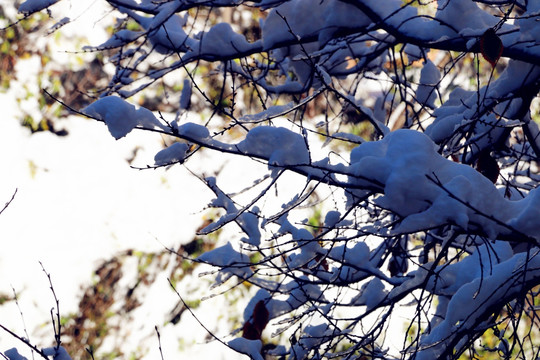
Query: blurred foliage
column 76, row 88
column 109, row 302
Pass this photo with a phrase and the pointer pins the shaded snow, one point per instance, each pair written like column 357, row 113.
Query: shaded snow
column 426, row 93
column 252, row 348
column 30, row 6
column 280, row 146
column 172, row 154
column 121, row 117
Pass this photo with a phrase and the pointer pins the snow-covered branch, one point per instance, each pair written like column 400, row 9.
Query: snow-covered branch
column 399, row 150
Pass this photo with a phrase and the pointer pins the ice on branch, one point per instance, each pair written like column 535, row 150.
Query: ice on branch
column 121, row 117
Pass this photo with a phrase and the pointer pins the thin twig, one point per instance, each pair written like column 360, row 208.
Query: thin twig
column 159, row 343
column 57, row 325
column 195, row 316
column 24, row 341
column 22, row 316
column 9, row 202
